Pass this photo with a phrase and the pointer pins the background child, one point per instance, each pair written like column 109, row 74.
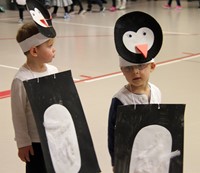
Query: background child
column 136, row 66
column 61, row 3
column 21, row 6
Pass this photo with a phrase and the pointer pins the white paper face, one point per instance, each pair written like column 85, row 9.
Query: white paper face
column 62, row 139
column 142, row 36
column 39, row 18
column 151, row 151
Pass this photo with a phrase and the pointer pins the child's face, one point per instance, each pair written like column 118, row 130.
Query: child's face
column 138, row 75
column 46, row 51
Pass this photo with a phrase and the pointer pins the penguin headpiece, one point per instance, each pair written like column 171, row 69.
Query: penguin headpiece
column 138, row 38
column 43, row 20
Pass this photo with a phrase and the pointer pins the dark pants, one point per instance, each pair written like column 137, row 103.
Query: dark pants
column 90, row 2
column 21, row 9
column 36, row 164
column 21, row 13
column 177, row 2
column 76, row 2
column 56, row 9
column 114, row 3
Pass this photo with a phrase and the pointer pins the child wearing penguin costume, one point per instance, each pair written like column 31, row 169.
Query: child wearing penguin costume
column 36, row 40
column 138, row 39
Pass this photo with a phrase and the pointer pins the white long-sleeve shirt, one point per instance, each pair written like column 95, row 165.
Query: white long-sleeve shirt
column 22, row 115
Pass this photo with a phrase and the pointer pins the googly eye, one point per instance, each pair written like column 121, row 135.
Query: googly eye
column 129, row 35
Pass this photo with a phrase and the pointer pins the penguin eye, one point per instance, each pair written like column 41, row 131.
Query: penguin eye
column 144, row 33
column 129, row 35
column 32, row 12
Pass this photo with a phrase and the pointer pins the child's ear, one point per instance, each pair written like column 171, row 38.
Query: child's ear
column 33, row 51
column 153, row 66
column 121, row 68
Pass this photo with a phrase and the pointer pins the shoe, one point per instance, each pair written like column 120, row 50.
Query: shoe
column 71, row 10
column 112, row 9
column 54, row 15
column 89, row 10
column 66, row 16
column 122, row 7
column 2, row 10
column 178, row 7
column 81, row 11
column 118, row 7
column 102, row 9
column 20, row 21
column 166, row 6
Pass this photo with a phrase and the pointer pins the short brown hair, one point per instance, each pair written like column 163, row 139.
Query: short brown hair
column 27, row 30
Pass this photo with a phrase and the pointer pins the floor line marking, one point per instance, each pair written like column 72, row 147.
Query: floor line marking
column 107, row 35
column 158, row 64
column 5, row 66
column 5, row 94
column 86, row 25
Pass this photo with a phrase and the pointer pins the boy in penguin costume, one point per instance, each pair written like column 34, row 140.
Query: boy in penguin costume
column 36, row 39
column 138, row 39
column 50, row 127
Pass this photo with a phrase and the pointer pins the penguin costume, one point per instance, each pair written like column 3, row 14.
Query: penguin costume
column 64, row 134
column 144, row 136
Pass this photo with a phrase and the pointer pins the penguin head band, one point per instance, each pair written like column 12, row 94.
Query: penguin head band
column 33, row 41
column 124, row 63
column 43, row 21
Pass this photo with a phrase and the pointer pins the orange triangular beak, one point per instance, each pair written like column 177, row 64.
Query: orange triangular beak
column 143, row 49
column 44, row 22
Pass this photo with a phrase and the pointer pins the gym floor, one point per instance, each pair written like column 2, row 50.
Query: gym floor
column 85, row 45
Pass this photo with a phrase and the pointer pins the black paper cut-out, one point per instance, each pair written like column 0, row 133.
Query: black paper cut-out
column 132, row 22
column 60, row 89
column 131, row 121
column 41, row 17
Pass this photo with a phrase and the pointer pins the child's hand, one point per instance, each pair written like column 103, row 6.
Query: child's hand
column 24, row 152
